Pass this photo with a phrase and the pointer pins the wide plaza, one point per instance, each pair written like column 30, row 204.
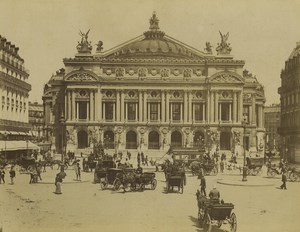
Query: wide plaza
column 83, row 206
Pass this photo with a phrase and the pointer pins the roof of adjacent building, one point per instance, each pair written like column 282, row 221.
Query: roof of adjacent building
column 296, row 51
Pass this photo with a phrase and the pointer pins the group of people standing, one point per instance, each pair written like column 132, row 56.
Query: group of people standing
column 12, row 174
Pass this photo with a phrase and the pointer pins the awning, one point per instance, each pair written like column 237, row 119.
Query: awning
column 17, row 145
column 14, row 132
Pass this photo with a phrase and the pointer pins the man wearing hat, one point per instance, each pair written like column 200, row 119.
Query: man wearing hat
column 214, row 194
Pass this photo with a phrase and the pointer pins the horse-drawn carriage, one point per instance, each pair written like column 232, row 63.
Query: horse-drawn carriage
column 146, row 178
column 215, row 213
column 209, row 168
column 254, row 165
column 27, row 164
column 102, row 168
column 108, row 177
column 175, row 176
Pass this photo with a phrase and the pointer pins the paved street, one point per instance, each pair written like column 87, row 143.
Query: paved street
column 83, row 206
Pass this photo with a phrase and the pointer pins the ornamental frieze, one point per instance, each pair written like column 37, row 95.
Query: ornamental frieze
column 153, row 72
column 81, row 77
column 165, row 73
column 131, row 72
column 176, row 72
column 226, row 78
column 187, row 72
column 198, row 72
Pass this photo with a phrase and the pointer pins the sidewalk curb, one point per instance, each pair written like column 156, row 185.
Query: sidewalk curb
column 245, row 184
column 67, row 182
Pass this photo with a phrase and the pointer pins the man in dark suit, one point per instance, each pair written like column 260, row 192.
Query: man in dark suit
column 203, row 185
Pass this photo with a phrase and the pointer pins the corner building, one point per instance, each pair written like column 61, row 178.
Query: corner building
column 290, row 104
column 154, row 92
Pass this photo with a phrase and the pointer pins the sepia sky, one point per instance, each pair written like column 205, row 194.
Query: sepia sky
column 262, row 32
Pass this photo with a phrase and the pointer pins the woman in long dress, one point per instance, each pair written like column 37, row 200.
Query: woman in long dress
column 58, row 181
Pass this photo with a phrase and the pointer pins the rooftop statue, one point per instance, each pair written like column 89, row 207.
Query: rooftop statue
column 99, row 46
column 84, row 46
column 208, row 48
column 224, row 47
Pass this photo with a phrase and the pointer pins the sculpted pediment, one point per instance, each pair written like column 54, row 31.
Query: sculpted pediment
column 81, row 76
column 226, row 77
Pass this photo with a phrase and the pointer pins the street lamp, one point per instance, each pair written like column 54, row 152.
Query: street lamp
column 244, row 144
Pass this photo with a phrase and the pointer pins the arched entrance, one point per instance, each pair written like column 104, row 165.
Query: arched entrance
column 153, row 140
column 82, row 139
column 109, row 140
column 131, row 140
column 176, row 139
column 199, row 139
column 225, row 138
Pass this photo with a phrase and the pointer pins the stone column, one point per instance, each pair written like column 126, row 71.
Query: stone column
column 66, row 104
column 185, row 105
column 212, row 109
column 181, row 114
column 148, row 115
column 163, row 107
column 167, row 107
column 69, row 116
column 125, row 111
column 234, row 104
column 91, row 105
column 118, row 113
column 77, row 111
column 240, row 110
column 114, row 111
column 208, row 106
column 230, row 117
column 97, row 105
column 216, row 106
column 260, row 115
column 253, row 110
column 88, row 110
column 122, row 106
column 136, row 111
column 159, row 116
column 73, row 105
column 104, row 111
column 100, row 104
column 145, row 107
column 140, row 106
column 203, row 111
column 190, row 107
column 220, row 111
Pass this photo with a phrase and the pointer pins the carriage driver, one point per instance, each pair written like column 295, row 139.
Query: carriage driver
column 214, row 195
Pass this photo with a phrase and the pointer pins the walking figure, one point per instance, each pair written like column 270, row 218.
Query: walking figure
column 12, row 174
column 203, row 186
column 2, row 175
column 283, row 178
column 78, row 176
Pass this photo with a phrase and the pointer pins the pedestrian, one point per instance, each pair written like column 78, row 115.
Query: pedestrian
column 78, row 177
column 12, row 174
column 214, row 195
column 146, row 160
column 283, row 178
column 75, row 168
column 143, row 158
column 203, row 186
column 201, row 173
column 139, row 158
column 2, row 175
column 58, row 182
column 222, row 164
column 39, row 170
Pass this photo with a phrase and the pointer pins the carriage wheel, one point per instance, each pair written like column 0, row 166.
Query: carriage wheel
column 233, row 222
column 66, row 166
column 254, row 172
column 207, row 223
column 153, row 184
column 259, row 171
column 273, row 173
column 133, row 187
column 293, row 177
column 117, row 184
column 103, row 184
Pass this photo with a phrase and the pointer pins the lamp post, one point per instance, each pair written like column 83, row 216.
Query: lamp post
column 244, row 144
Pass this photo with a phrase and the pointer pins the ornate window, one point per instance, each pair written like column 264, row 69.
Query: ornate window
column 154, row 111
column 131, row 111
column 109, row 109
column 176, row 111
column 198, row 112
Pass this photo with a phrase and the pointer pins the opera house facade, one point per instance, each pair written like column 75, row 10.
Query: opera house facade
column 152, row 93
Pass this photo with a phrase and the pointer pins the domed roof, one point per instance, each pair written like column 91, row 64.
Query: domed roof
column 154, row 43
column 296, row 51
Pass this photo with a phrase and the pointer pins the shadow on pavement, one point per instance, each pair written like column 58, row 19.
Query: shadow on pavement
column 199, row 229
